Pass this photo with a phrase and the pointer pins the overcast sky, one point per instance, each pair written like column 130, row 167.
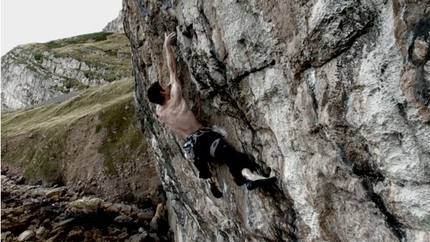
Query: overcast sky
column 30, row 21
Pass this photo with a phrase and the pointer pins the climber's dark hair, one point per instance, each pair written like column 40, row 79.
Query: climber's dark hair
column 154, row 93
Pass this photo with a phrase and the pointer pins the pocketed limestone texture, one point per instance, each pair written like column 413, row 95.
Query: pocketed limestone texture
column 331, row 96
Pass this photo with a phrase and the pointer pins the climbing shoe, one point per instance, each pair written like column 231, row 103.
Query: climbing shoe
column 215, row 191
column 266, row 181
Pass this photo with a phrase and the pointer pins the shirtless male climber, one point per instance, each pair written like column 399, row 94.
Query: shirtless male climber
column 201, row 143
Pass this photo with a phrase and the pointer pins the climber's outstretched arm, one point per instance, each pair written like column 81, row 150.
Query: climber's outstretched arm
column 171, row 61
column 175, row 89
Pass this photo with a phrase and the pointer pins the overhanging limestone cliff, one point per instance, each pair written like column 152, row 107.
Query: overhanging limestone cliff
column 332, row 96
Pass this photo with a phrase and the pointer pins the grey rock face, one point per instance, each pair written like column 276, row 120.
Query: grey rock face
column 116, row 25
column 35, row 73
column 331, row 96
column 27, row 81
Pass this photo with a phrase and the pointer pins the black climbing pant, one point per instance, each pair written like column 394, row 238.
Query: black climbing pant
column 209, row 146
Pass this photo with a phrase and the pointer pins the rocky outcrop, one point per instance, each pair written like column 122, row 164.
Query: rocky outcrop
column 36, row 213
column 331, row 96
column 35, row 73
column 27, row 82
column 116, row 25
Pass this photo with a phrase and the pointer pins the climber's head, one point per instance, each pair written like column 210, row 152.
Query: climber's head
column 157, row 94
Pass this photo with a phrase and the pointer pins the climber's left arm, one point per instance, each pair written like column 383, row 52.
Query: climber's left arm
column 176, row 89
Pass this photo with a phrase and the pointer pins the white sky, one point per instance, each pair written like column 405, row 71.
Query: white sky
column 29, row 21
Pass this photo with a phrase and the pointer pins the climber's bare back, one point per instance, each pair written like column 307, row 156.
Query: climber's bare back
column 175, row 112
column 179, row 118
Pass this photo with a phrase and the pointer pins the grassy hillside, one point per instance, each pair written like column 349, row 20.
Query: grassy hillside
column 39, row 140
column 107, row 51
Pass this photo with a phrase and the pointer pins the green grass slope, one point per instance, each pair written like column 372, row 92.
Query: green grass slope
column 38, row 141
